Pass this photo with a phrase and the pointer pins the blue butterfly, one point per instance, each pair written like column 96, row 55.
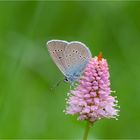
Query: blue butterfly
column 70, row 57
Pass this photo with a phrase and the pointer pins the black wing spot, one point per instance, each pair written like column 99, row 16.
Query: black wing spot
column 70, row 55
column 55, row 50
column 76, row 51
column 60, row 57
column 61, row 50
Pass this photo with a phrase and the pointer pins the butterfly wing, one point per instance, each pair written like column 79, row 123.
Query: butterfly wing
column 76, row 57
column 56, row 50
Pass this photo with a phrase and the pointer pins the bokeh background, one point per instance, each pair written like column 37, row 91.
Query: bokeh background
column 28, row 106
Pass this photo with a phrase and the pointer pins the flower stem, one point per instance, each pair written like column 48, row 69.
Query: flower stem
column 88, row 126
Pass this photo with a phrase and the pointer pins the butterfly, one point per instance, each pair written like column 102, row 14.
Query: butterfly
column 70, row 57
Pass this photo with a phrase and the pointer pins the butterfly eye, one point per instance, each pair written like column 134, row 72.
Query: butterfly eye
column 66, row 80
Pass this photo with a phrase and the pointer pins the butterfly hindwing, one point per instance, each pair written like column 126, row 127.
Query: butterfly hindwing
column 76, row 57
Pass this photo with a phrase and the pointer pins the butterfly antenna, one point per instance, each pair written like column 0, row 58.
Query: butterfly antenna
column 57, row 84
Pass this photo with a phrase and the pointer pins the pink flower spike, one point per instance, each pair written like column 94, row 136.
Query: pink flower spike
column 91, row 100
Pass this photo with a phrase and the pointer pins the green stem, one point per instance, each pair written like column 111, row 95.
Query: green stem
column 89, row 125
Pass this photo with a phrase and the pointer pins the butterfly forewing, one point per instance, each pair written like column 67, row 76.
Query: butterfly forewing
column 56, row 49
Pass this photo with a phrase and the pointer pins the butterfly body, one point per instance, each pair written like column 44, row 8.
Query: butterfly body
column 70, row 57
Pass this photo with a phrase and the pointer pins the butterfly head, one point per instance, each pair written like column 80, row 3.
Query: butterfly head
column 66, row 80
column 72, row 78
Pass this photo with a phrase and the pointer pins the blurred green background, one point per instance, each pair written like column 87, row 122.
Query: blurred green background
column 28, row 108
